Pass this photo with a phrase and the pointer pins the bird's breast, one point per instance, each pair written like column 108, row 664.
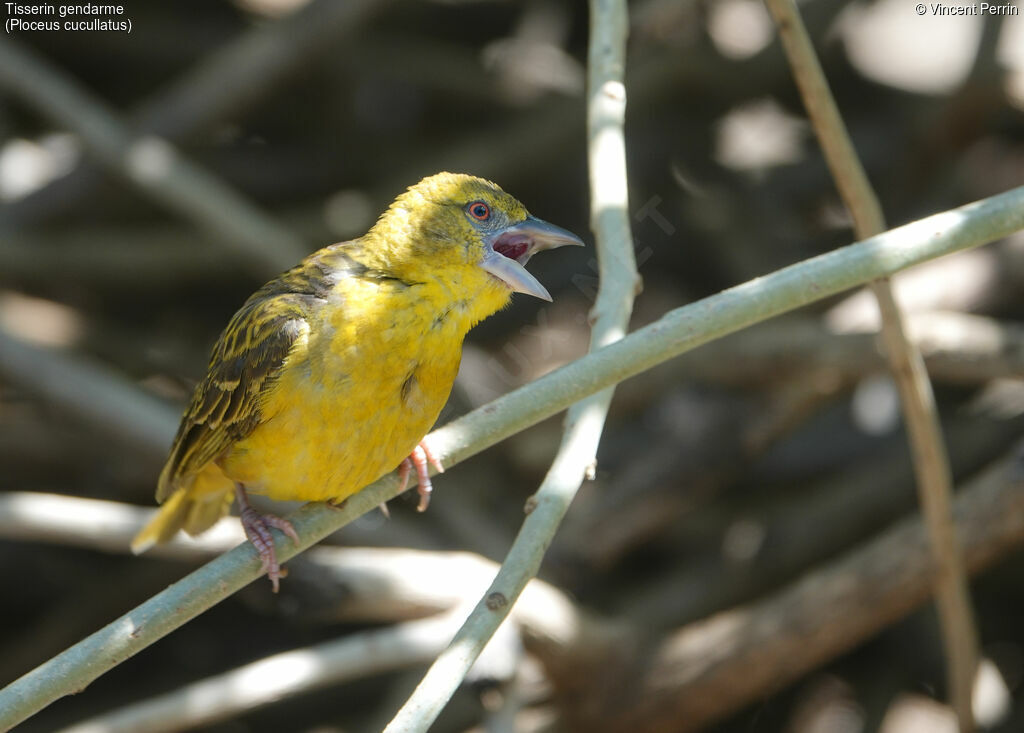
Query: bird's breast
column 372, row 381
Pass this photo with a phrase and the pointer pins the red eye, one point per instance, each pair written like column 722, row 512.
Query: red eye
column 480, row 211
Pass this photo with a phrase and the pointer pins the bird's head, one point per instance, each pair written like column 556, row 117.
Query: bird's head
column 469, row 235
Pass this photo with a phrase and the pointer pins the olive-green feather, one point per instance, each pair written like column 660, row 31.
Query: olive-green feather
column 249, row 353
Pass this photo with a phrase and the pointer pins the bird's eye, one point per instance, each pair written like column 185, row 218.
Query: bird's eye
column 480, row 211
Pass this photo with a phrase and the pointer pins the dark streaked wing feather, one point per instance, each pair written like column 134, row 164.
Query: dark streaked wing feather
column 249, row 354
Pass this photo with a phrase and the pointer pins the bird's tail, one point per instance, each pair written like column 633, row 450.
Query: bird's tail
column 194, row 508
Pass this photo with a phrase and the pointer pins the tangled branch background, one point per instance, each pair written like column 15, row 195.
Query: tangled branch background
column 749, row 554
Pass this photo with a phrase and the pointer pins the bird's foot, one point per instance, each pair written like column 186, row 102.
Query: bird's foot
column 419, row 459
column 257, row 529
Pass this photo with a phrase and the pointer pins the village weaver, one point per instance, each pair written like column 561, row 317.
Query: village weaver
column 330, row 375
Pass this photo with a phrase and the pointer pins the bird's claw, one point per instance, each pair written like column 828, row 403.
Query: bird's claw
column 257, row 529
column 419, row 459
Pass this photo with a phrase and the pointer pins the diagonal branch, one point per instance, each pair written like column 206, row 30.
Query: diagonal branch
column 150, row 163
column 577, row 454
column 222, row 85
column 676, row 332
column 91, row 392
column 931, row 462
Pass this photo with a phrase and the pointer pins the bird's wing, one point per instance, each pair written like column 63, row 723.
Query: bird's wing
column 268, row 330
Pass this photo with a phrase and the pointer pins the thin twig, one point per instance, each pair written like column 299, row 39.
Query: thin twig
column 676, row 332
column 577, row 454
column 150, row 163
column 931, row 463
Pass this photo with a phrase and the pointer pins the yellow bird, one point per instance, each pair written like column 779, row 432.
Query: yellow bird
column 330, row 375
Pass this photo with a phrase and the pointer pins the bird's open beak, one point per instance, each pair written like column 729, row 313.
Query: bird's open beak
column 509, row 250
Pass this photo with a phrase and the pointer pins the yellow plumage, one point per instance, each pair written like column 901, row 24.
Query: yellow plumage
column 330, row 374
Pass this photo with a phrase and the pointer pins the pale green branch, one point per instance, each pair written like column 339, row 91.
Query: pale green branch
column 676, row 332
column 577, row 454
column 425, row 594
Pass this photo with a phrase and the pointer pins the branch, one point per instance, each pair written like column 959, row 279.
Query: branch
column 674, row 333
column 378, row 584
column 92, row 392
column 822, row 519
column 279, row 677
column 958, row 348
column 426, row 592
column 105, row 526
column 223, row 84
column 577, row 454
column 150, row 163
column 712, row 667
column 931, row 462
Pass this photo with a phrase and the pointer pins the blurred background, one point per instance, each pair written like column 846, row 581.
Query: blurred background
column 151, row 180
